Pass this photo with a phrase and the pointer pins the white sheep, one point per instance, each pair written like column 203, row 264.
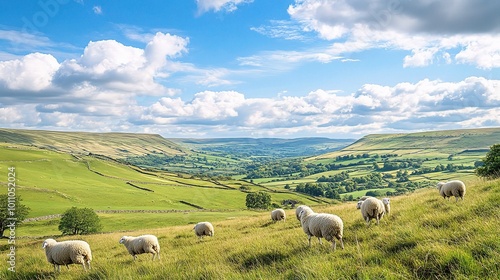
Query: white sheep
column 324, row 225
column 300, row 208
column 141, row 244
column 67, row 252
column 204, row 228
column 278, row 215
column 454, row 188
column 358, row 205
column 386, row 201
column 372, row 208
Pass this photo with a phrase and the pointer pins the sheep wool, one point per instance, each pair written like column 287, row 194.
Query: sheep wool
column 278, row 215
column 300, row 208
column 454, row 188
column 67, row 252
column 324, row 225
column 387, row 205
column 204, row 229
column 142, row 245
column 372, row 208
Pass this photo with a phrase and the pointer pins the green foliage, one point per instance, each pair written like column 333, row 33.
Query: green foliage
column 491, row 167
column 11, row 210
column 79, row 221
column 259, row 200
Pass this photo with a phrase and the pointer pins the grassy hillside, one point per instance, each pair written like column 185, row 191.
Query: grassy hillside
column 50, row 182
column 425, row 237
column 114, row 145
column 447, row 142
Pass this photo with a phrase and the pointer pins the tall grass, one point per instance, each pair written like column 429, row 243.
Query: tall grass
column 424, row 237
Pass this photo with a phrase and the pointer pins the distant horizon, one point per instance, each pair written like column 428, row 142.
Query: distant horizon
column 250, row 68
column 284, row 138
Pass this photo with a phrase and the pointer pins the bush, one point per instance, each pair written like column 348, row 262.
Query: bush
column 260, row 200
column 491, row 166
column 11, row 211
column 79, row 221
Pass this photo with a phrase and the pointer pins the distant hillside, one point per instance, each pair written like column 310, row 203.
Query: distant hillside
column 447, row 141
column 266, row 147
column 114, row 145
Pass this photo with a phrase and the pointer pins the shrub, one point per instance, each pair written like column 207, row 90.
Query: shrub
column 491, row 167
column 79, row 221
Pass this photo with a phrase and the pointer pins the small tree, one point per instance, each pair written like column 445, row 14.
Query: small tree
column 491, row 166
column 259, row 200
column 11, row 210
column 79, row 221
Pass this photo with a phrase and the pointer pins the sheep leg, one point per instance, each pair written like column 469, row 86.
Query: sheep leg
column 341, row 242
column 334, row 244
column 320, row 242
column 309, row 239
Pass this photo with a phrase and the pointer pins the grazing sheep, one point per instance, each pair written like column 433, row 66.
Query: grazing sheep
column 67, row 252
column 141, row 244
column 204, row 228
column 300, row 208
column 278, row 215
column 372, row 208
column 358, row 205
column 324, row 225
column 386, row 201
column 454, row 188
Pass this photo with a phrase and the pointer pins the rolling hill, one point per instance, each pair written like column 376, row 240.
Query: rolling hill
column 446, row 141
column 113, row 145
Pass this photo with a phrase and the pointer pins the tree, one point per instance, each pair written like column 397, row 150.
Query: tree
column 259, row 200
column 79, row 221
column 11, row 210
column 491, row 167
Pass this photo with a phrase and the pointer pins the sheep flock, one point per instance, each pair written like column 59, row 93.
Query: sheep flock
column 320, row 225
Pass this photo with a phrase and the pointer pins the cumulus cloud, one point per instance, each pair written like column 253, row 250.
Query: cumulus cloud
column 373, row 108
column 427, row 104
column 219, row 5
column 429, row 30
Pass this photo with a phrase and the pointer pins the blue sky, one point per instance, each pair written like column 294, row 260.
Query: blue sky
column 243, row 68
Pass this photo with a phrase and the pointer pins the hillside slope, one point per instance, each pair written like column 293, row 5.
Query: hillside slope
column 446, row 141
column 113, row 145
column 425, row 237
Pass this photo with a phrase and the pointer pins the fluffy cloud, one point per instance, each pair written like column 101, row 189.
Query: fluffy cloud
column 425, row 105
column 219, row 5
column 428, row 29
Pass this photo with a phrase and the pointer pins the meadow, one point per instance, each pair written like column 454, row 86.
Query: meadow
column 424, row 237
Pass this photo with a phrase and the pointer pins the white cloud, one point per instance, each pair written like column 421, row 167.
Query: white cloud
column 32, row 72
column 219, row 5
column 428, row 29
column 97, row 10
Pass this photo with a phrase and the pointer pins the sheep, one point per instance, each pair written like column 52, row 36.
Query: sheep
column 454, row 188
column 386, row 201
column 278, row 215
column 67, row 252
column 300, row 208
column 141, row 244
column 372, row 208
column 358, row 205
column 203, row 228
column 324, row 225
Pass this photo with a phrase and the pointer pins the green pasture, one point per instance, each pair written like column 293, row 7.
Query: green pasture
column 424, row 237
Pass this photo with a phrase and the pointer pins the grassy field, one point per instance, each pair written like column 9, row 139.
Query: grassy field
column 50, row 182
column 424, row 237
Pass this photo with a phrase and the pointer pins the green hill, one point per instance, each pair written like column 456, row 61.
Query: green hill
column 424, row 237
column 113, row 145
column 447, row 141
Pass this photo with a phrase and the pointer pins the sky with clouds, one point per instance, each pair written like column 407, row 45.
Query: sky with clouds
column 250, row 68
